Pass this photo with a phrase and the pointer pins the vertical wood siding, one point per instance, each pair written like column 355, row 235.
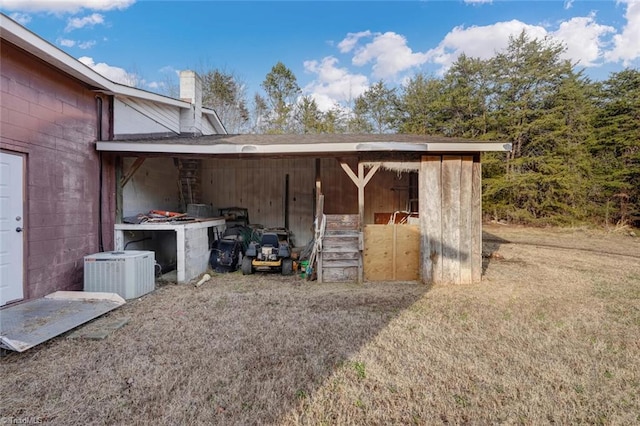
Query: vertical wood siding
column 450, row 219
column 259, row 185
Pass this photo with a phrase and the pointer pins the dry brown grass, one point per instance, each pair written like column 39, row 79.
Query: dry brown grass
column 551, row 336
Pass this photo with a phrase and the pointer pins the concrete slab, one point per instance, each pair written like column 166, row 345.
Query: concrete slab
column 28, row 324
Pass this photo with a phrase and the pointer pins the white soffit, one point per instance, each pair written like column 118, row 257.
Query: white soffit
column 292, row 148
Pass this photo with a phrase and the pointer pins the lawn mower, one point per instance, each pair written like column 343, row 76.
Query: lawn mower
column 271, row 253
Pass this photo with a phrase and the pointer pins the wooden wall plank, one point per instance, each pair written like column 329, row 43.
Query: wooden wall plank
column 407, row 265
column 466, row 213
column 451, row 167
column 476, row 221
column 378, row 252
column 430, row 200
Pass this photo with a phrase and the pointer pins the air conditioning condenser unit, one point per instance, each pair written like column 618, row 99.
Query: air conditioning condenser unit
column 128, row 273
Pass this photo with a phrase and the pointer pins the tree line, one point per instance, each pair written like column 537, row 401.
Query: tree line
column 576, row 142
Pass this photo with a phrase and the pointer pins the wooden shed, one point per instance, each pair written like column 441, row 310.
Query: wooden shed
column 353, row 189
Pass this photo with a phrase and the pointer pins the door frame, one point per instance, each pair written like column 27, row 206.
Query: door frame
column 25, row 230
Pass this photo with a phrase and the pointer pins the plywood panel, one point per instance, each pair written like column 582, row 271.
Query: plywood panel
column 392, row 252
column 378, row 253
column 407, row 258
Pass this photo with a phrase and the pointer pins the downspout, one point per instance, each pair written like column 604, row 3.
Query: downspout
column 100, row 171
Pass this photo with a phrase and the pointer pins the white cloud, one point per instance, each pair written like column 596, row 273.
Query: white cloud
column 117, row 74
column 21, row 18
column 478, row 1
column 627, row 44
column 568, row 4
column 390, row 55
column 168, row 69
column 65, row 6
column 333, row 85
column 482, row 42
column 350, row 42
column 66, row 42
column 155, row 85
column 583, row 38
column 88, row 21
column 87, row 44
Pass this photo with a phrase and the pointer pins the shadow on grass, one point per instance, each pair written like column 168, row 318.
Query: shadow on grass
column 238, row 350
column 490, row 246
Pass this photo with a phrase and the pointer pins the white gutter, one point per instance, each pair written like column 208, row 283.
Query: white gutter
column 325, row 147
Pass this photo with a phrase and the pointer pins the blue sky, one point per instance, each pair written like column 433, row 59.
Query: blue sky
column 336, row 49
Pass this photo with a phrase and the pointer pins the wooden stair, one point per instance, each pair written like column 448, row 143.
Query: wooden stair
column 341, row 257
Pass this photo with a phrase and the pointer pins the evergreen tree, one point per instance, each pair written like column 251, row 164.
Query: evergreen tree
column 224, row 93
column 616, row 148
column 535, row 91
column 421, row 106
column 281, row 87
column 376, row 109
column 466, row 94
column 308, row 117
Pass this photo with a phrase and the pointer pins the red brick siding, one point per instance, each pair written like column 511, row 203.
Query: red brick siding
column 52, row 118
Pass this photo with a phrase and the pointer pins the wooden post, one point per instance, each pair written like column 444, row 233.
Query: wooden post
column 430, row 211
column 318, row 186
column 119, row 197
column 451, row 166
column 466, row 214
column 319, row 214
column 476, row 221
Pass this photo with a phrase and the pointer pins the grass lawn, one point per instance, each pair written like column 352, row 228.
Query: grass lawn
column 552, row 335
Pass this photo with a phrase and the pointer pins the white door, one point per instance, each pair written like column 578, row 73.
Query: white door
column 11, row 224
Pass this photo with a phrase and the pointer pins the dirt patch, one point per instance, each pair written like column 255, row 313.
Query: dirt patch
column 551, row 335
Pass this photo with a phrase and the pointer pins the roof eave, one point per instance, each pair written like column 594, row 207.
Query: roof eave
column 318, row 148
column 28, row 41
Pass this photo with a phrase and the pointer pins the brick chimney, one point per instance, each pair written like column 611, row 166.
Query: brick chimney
column 191, row 91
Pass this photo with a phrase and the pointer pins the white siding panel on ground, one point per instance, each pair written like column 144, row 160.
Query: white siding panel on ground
column 135, row 116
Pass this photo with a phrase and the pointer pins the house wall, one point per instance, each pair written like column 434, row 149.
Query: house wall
column 154, row 186
column 52, row 119
column 136, row 118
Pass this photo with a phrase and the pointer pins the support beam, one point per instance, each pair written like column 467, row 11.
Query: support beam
column 349, row 172
column 118, row 185
column 371, row 172
column 132, row 170
column 360, row 180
